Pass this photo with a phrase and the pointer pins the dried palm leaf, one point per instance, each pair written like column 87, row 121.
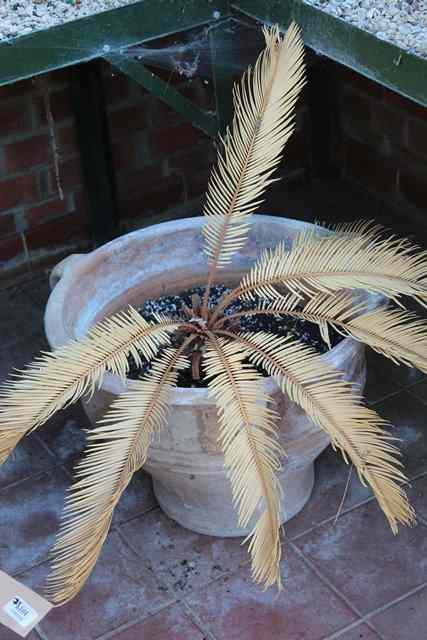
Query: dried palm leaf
column 61, row 377
column 328, row 400
column 117, row 448
column 396, row 334
column 388, row 266
column 263, row 122
column 248, row 438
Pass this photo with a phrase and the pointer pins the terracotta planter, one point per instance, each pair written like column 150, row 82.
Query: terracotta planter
column 189, row 478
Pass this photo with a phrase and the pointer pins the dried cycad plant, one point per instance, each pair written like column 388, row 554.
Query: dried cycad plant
column 321, row 279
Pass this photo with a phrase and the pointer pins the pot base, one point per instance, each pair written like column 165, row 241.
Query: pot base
column 215, row 516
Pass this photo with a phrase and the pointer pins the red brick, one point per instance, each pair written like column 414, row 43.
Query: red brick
column 370, row 168
column 165, row 194
column 161, row 115
column 124, row 156
column 200, row 93
column 197, row 183
column 356, row 114
column 16, row 90
column 27, row 153
column 11, row 248
column 7, row 224
column 417, row 136
column 67, row 230
column 18, row 191
column 70, row 176
column 169, row 140
column 358, row 82
column 191, row 159
column 413, row 187
column 81, row 205
column 14, row 118
column 136, row 182
column 67, row 140
column 401, row 103
column 46, row 211
column 126, row 120
column 116, row 87
column 388, row 123
column 60, row 106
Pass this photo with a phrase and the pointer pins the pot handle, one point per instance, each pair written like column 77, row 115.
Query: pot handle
column 60, row 269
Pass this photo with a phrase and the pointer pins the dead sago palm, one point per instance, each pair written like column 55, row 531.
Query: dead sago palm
column 321, row 279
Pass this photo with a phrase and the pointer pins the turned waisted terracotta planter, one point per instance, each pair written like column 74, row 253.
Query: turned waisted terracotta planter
column 187, row 468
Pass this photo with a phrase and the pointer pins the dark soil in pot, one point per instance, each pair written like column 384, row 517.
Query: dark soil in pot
column 173, row 306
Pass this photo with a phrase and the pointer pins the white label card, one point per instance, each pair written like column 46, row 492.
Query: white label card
column 21, row 608
column 20, row 611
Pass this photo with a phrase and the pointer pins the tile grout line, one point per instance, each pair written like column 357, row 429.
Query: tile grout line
column 330, row 519
column 388, row 605
column 349, row 510
column 325, row 580
column 179, row 598
column 330, row 585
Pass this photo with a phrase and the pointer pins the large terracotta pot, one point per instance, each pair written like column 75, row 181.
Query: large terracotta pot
column 189, row 478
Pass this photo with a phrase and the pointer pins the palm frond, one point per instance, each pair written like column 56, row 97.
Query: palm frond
column 328, row 400
column 263, row 122
column 389, row 266
column 251, row 449
column 397, row 334
column 116, row 449
column 61, row 377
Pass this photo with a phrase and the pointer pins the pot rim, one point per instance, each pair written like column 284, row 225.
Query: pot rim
column 180, row 395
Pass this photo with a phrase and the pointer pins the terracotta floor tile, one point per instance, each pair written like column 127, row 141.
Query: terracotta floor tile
column 169, row 624
column 28, row 458
column 29, row 518
column 185, row 559
column 364, row 560
column 419, row 390
column 361, row 632
column 38, row 290
column 418, row 496
column 409, row 419
column 7, row 634
column 136, row 500
column 385, row 377
column 64, row 434
column 17, row 356
column 329, row 488
column 380, row 380
column 20, row 318
column 406, row 620
column 118, row 592
column 236, row 608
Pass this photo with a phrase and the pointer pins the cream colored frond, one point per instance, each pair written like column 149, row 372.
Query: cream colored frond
column 116, row 449
column 263, row 122
column 389, row 266
column 56, row 379
column 328, row 400
column 396, row 334
column 248, row 438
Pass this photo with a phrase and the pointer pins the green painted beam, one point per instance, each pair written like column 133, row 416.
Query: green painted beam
column 205, row 121
column 89, row 38
column 381, row 61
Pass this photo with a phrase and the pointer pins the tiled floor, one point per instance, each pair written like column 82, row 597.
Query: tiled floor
column 350, row 579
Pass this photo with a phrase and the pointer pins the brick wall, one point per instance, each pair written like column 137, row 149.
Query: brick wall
column 381, row 143
column 161, row 164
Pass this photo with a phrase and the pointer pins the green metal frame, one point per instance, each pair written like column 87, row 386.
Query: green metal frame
column 89, row 38
column 381, row 61
column 203, row 120
column 103, row 36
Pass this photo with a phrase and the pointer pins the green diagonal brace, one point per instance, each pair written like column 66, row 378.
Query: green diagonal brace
column 203, row 120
